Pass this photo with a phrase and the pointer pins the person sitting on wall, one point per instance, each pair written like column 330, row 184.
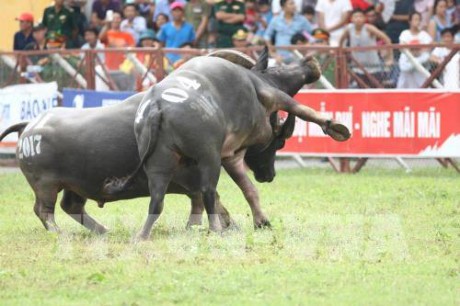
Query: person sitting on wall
column 24, row 36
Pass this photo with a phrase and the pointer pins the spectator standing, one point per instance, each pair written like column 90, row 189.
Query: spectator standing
column 282, row 28
column 100, row 8
column 333, row 15
column 164, row 7
column 133, row 23
column 410, row 77
column 230, row 17
column 160, row 21
column 177, row 32
column 360, row 34
column 439, row 21
column 144, row 7
column 277, row 8
column 425, row 8
column 263, row 20
column 60, row 23
column 309, row 13
column 399, row 20
column 197, row 13
column 113, row 37
column 251, row 16
column 92, row 42
column 39, row 43
column 374, row 18
column 451, row 74
column 451, row 11
column 25, row 34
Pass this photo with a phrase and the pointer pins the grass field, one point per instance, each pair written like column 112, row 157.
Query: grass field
column 377, row 238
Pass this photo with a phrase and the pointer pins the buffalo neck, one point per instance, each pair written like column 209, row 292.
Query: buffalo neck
column 289, row 79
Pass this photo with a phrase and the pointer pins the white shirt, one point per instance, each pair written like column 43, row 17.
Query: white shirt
column 451, row 74
column 99, row 46
column 333, row 12
column 410, row 77
column 139, row 24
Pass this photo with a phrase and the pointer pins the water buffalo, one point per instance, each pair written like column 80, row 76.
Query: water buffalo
column 75, row 150
column 200, row 117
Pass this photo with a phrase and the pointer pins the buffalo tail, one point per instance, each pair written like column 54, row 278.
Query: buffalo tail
column 115, row 186
column 18, row 127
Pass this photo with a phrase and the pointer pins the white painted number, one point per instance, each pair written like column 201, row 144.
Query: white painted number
column 188, row 83
column 30, row 146
column 175, row 95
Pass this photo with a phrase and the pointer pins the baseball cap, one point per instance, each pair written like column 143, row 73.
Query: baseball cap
column 176, row 5
column 25, row 17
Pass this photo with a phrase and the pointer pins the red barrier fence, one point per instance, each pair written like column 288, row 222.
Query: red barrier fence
column 383, row 124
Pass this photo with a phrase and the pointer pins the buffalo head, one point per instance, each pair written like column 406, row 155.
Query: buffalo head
column 261, row 158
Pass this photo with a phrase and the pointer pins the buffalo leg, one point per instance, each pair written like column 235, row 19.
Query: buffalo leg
column 197, row 209
column 210, row 171
column 74, row 206
column 159, row 169
column 236, row 169
column 196, row 213
column 44, row 207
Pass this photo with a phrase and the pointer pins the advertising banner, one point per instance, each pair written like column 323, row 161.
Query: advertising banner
column 89, row 98
column 423, row 123
column 24, row 103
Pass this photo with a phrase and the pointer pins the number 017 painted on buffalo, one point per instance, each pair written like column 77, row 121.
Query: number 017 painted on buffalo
column 30, row 146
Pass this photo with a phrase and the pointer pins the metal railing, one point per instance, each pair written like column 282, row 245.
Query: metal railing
column 139, row 68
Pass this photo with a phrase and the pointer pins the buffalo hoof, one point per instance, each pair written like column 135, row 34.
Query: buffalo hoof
column 100, row 230
column 52, row 227
column 337, row 131
column 141, row 237
column 262, row 224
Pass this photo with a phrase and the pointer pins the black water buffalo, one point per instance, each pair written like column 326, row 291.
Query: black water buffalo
column 205, row 115
column 76, row 150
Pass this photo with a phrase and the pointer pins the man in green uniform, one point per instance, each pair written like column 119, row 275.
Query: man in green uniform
column 230, row 18
column 197, row 13
column 60, row 23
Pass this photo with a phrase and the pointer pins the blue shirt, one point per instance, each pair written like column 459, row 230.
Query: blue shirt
column 21, row 41
column 284, row 31
column 163, row 7
column 175, row 38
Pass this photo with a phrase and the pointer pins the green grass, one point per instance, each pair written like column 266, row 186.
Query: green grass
column 377, row 238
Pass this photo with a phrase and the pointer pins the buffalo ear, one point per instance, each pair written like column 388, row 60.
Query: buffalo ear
column 262, row 61
column 288, row 127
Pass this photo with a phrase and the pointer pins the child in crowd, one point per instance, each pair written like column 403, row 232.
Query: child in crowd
column 410, row 76
column 451, row 73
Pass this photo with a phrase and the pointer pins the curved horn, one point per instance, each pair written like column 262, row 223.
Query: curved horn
column 236, row 57
column 288, row 127
column 262, row 61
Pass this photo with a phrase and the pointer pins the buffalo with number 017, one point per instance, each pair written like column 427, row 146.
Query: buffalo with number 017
column 75, row 150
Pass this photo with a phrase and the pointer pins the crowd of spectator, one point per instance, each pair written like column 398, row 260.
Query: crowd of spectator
column 242, row 23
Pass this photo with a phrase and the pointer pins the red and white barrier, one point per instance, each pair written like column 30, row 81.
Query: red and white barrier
column 420, row 123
